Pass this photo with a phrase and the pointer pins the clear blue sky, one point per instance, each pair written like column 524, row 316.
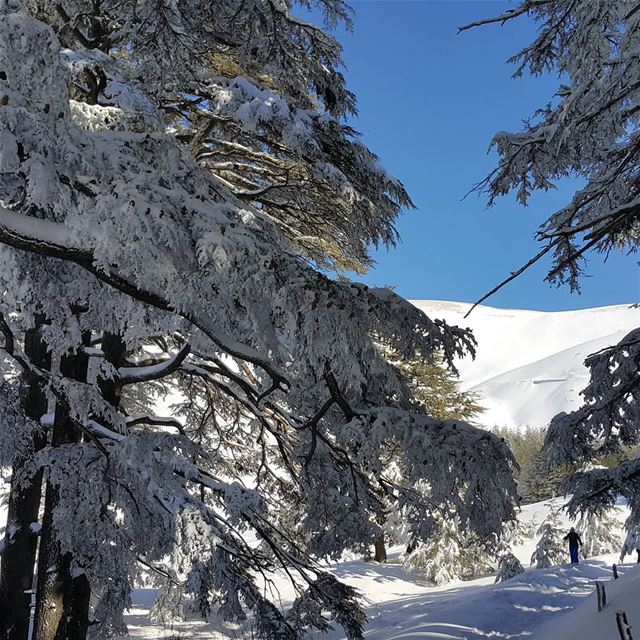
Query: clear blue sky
column 430, row 101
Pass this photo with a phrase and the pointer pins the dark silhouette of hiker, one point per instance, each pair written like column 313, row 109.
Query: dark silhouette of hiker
column 574, row 542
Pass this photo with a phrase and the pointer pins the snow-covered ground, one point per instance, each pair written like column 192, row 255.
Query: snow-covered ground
column 401, row 606
column 545, row 604
column 529, row 364
column 528, row 367
column 586, row 623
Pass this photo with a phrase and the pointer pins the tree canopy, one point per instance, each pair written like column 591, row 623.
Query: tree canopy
column 589, row 129
column 171, row 179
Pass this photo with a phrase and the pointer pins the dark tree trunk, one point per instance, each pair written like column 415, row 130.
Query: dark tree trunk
column 18, row 560
column 55, row 591
column 114, row 350
column 412, row 546
column 380, row 549
column 77, row 591
column 76, row 601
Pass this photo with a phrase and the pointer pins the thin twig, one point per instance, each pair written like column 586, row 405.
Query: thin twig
column 513, row 275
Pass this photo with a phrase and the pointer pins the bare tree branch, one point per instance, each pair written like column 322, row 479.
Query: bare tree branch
column 513, row 275
column 508, row 15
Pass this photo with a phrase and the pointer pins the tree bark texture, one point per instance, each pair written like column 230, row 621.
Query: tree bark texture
column 380, row 549
column 18, row 559
column 58, row 593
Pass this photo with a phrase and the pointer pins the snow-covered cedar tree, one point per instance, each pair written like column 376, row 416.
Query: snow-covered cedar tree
column 508, row 567
column 589, row 129
column 607, row 423
column 437, row 391
column 550, row 549
column 599, row 533
column 515, row 533
column 450, row 554
column 135, row 264
column 257, row 97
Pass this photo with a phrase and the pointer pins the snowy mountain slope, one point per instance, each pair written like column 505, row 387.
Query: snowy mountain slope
column 529, row 364
column 476, row 612
column 534, row 393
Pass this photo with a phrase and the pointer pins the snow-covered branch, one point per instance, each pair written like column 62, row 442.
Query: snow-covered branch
column 55, row 240
column 158, row 421
column 132, row 375
column 588, row 129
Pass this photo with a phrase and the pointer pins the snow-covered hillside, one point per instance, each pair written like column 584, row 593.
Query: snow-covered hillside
column 529, row 364
column 585, row 622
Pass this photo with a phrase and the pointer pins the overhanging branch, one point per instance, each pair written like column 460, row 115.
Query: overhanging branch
column 54, row 240
column 508, row 15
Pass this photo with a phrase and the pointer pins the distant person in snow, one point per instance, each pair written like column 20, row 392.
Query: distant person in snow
column 574, row 542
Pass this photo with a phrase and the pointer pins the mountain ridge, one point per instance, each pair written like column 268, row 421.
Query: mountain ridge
column 529, row 364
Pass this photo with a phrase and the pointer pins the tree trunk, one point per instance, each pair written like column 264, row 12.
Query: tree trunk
column 380, row 549
column 76, row 601
column 412, row 546
column 18, row 559
column 77, row 590
column 114, row 351
column 55, row 585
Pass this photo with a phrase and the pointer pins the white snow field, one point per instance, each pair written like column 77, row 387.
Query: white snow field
column 529, row 364
column 546, row 604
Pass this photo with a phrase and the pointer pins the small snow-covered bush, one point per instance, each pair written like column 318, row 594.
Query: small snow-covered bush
column 508, row 567
column 451, row 554
column 550, row 550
